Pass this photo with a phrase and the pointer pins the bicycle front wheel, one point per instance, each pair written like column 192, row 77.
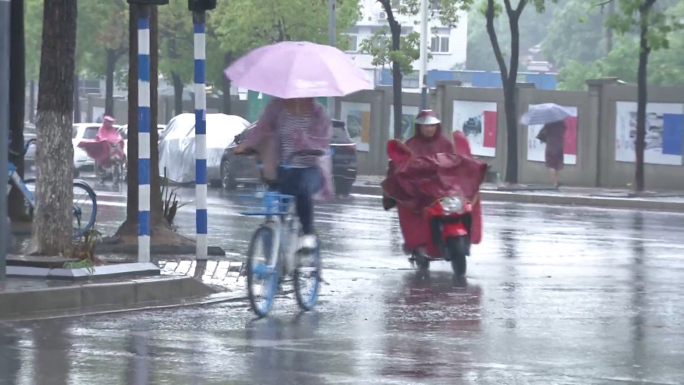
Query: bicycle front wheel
column 307, row 277
column 85, row 208
column 262, row 271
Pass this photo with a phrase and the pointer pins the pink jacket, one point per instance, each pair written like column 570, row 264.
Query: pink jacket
column 265, row 140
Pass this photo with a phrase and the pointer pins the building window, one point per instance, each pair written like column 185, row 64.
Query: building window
column 410, row 80
column 435, row 5
column 353, row 43
column 439, row 44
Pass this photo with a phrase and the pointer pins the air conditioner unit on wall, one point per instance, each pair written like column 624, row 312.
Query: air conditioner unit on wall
column 382, row 16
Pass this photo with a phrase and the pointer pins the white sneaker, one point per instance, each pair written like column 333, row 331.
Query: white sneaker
column 307, row 242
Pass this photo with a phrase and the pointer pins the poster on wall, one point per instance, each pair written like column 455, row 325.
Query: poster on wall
column 478, row 122
column 664, row 132
column 408, row 114
column 357, row 118
column 536, row 148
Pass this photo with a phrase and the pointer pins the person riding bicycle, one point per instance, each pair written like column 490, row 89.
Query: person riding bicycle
column 287, row 127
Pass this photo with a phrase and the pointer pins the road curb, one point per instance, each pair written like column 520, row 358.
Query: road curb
column 97, row 298
column 544, row 199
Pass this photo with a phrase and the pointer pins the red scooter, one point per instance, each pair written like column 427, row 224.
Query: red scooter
column 437, row 198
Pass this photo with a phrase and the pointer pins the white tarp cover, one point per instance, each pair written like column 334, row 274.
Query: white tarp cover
column 177, row 147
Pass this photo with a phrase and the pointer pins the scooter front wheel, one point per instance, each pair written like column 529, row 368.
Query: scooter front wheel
column 457, row 247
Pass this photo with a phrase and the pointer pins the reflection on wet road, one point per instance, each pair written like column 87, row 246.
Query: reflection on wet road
column 554, row 295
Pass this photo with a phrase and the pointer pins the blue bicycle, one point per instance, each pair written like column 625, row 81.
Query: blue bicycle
column 273, row 253
column 85, row 200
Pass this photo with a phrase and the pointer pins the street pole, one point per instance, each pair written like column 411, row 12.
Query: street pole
column 332, row 39
column 144, row 174
column 200, row 134
column 4, row 128
column 423, row 53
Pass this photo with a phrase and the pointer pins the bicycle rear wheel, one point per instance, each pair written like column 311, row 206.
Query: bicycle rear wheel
column 262, row 271
column 307, row 277
column 85, row 208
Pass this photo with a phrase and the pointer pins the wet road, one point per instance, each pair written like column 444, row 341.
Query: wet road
column 554, row 295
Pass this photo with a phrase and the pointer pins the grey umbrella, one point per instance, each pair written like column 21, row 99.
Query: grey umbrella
column 545, row 113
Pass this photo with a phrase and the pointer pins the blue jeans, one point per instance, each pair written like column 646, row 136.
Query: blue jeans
column 302, row 183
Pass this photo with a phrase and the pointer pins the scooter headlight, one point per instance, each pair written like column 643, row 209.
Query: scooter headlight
column 452, row 204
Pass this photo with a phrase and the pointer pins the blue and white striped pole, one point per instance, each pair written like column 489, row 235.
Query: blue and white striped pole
column 200, row 134
column 144, row 133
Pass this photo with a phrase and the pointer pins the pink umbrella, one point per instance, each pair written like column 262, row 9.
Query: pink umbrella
column 296, row 69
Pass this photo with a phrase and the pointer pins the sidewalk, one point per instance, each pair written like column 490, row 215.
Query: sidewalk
column 574, row 196
column 183, row 282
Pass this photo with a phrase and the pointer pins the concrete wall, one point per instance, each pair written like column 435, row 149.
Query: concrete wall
column 584, row 172
column 595, row 161
column 615, row 173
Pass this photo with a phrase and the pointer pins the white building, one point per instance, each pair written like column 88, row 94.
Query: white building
column 448, row 45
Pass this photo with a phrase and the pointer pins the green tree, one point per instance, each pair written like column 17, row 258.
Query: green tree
column 534, row 27
column 102, row 42
column 509, row 73
column 242, row 25
column 33, row 31
column 176, row 61
column 399, row 52
column 654, row 27
column 572, row 27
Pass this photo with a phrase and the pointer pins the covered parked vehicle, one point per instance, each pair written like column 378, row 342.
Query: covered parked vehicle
column 243, row 169
column 177, row 147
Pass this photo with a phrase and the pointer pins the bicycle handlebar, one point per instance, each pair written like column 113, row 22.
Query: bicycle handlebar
column 26, row 147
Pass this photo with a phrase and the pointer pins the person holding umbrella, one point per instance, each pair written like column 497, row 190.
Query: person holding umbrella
column 552, row 116
column 295, row 73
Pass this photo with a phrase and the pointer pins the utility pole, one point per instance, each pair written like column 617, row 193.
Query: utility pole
column 144, row 143
column 4, row 128
column 332, row 40
column 423, row 53
column 199, row 10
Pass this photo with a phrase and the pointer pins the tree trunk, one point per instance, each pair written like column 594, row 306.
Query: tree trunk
column 511, row 111
column 158, row 221
column 609, row 31
column 511, row 103
column 509, row 78
column 227, row 60
column 53, row 227
column 77, row 100
column 17, row 100
column 177, row 93
column 395, row 29
column 32, row 102
column 109, row 81
column 642, row 94
column 130, row 225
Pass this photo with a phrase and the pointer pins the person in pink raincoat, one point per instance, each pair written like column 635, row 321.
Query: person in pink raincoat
column 286, row 127
column 106, row 147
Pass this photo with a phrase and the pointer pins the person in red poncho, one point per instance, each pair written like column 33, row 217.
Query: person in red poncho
column 429, row 139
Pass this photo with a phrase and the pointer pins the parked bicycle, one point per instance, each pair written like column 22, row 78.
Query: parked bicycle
column 84, row 213
column 273, row 252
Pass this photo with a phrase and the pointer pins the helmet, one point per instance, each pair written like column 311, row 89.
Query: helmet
column 427, row 117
